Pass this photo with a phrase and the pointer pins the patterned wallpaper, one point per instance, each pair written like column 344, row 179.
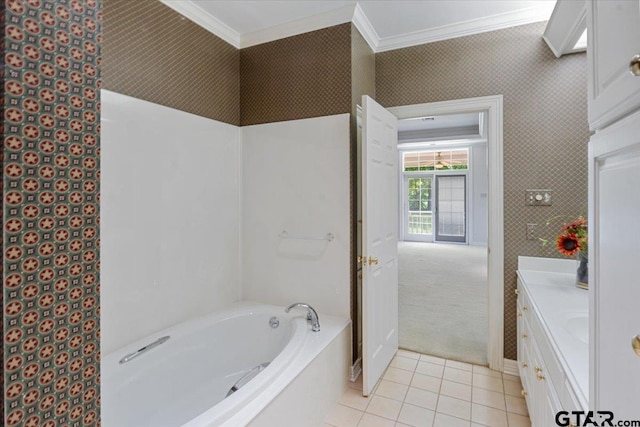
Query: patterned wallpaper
column 153, row 53
column 298, row 77
column 545, row 124
column 51, row 213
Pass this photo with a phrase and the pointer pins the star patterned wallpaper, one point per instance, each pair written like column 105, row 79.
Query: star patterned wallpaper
column 50, row 238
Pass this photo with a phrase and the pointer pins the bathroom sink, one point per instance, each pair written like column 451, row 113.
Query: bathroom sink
column 577, row 325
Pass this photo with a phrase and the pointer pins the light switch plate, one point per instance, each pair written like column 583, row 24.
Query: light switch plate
column 538, row 197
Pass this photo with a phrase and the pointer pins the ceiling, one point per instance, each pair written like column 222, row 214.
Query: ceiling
column 385, row 25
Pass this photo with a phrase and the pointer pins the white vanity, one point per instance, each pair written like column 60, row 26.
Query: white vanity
column 553, row 338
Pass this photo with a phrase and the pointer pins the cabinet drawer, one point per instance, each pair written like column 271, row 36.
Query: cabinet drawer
column 553, row 371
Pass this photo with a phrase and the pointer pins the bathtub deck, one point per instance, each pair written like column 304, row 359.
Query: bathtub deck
column 419, row 390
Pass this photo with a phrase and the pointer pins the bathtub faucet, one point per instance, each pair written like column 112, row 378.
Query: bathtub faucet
column 312, row 316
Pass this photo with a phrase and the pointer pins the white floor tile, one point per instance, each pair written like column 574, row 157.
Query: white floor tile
column 416, row 416
column 457, row 390
column 488, row 416
column 486, row 371
column 354, row 399
column 454, row 407
column 426, row 382
column 459, row 365
column 489, row 398
column 392, row 390
column 343, row 416
column 512, row 388
column 516, row 420
column 510, row 377
column 457, row 375
column 443, row 420
column 424, row 398
column 408, row 353
column 432, row 369
column 432, row 359
column 517, row 405
column 384, row 407
column 404, row 363
column 398, row 376
column 488, row 383
column 370, row 420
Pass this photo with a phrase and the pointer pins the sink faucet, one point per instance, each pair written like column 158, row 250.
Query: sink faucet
column 312, row 316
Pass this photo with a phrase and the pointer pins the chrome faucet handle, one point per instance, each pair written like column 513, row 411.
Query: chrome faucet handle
column 312, row 316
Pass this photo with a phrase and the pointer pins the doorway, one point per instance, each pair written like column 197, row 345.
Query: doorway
column 491, row 107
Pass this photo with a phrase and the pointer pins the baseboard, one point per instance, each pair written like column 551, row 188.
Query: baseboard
column 355, row 370
column 511, row 367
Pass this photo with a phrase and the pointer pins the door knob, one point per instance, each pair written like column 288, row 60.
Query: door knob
column 362, row 260
column 634, row 65
column 373, row 260
column 635, row 344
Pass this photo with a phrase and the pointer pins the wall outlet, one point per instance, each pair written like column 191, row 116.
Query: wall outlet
column 538, row 197
column 531, row 231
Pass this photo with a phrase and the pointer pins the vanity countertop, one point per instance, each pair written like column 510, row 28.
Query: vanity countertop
column 564, row 310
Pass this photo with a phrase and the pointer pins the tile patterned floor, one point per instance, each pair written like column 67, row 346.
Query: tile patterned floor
column 419, row 390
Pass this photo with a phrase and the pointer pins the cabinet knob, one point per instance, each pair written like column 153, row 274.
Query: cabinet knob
column 516, row 291
column 524, row 336
column 540, row 377
column 634, row 65
column 524, row 364
column 525, row 308
column 373, row 260
column 537, row 369
column 519, row 314
column 523, row 393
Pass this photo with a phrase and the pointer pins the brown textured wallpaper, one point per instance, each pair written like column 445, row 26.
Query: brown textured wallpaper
column 307, row 75
column 153, row 53
column 545, row 123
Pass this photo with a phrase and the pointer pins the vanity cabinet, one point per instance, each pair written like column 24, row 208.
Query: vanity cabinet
column 614, row 202
column 613, row 40
column 546, row 387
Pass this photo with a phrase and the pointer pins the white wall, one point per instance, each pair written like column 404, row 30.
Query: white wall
column 479, row 179
column 295, row 177
column 169, row 217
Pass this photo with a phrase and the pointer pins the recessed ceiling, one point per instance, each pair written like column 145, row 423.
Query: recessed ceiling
column 384, row 24
column 447, row 121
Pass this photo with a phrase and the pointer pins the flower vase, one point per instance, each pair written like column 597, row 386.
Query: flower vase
column 582, row 274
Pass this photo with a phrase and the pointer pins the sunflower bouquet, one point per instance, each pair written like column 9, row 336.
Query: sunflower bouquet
column 572, row 238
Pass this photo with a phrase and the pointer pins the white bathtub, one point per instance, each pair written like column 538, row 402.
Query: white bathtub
column 184, row 381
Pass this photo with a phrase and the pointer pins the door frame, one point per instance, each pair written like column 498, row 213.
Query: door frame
column 493, row 106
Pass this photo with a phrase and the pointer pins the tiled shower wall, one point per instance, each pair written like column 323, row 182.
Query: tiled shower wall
column 50, row 235
column 545, row 124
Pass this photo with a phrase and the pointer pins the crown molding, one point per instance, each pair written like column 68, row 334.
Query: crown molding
column 367, row 31
column 300, row 26
column 466, row 28
column 355, row 14
column 194, row 13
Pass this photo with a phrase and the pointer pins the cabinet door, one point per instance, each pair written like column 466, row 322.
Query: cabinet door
column 613, row 39
column 614, row 251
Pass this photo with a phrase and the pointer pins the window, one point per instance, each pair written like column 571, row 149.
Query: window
column 438, row 160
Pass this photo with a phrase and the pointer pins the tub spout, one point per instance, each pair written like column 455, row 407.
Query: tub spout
column 312, row 316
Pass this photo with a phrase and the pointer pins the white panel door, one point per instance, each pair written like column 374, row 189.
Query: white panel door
column 614, row 252
column 379, row 241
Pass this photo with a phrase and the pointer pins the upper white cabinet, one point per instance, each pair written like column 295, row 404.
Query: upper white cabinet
column 613, row 40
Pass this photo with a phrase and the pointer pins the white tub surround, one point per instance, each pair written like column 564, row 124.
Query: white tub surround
column 184, row 381
column 295, row 178
column 553, row 336
column 169, row 217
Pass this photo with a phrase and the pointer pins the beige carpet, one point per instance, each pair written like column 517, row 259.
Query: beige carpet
column 443, row 300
